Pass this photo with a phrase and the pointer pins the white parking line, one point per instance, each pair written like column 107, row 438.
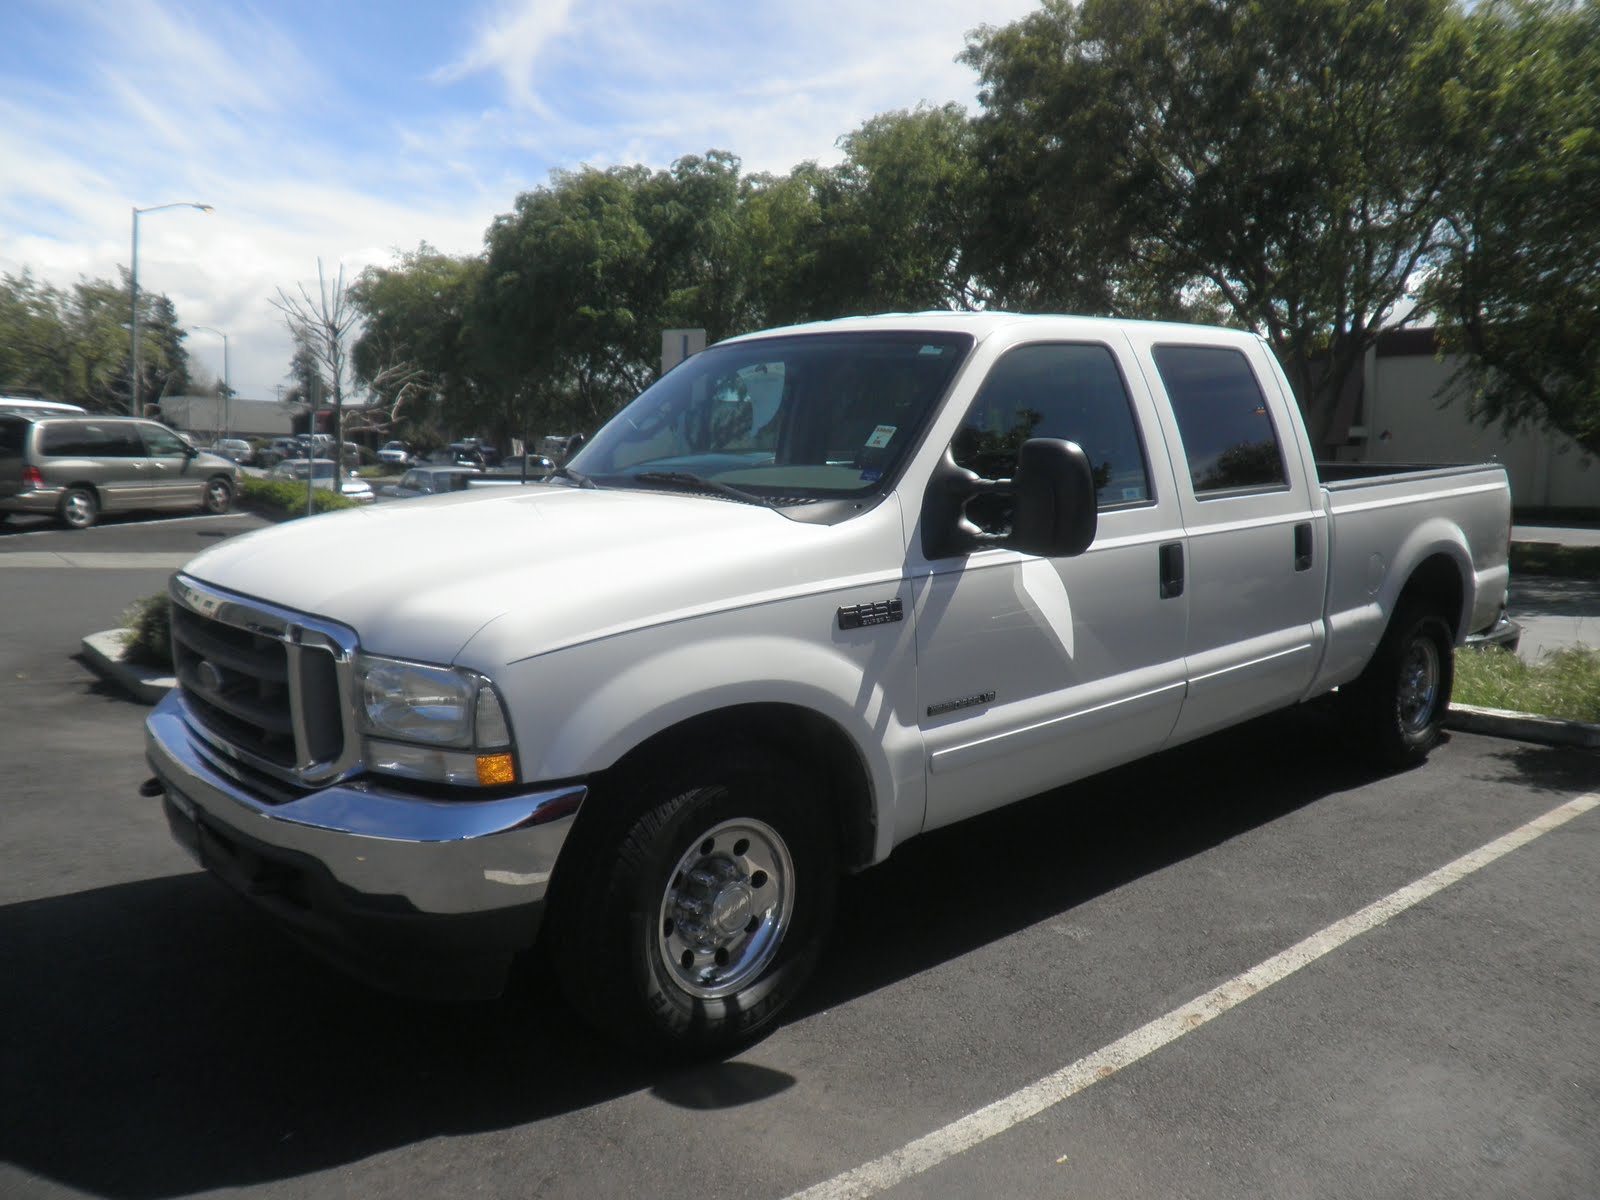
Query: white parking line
column 35, row 560
column 969, row 1131
column 24, row 533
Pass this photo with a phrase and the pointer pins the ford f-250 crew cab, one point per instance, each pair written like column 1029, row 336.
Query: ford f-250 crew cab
column 814, row 592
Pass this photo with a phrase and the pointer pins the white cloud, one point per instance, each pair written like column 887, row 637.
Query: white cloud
column 510, row 42
column 224, row 107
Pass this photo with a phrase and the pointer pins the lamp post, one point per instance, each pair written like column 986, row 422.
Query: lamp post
column 227, row 385
column 133, row 276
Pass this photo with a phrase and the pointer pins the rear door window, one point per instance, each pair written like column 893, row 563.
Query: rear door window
column 90, row 439
column 1222, row 415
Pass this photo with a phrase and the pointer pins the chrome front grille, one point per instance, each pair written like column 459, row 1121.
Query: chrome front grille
column 267, row 687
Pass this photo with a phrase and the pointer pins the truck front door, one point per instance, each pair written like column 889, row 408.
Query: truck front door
column 1032, row 671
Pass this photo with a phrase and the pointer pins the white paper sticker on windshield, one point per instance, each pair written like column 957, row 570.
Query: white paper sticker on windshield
column 880, row 437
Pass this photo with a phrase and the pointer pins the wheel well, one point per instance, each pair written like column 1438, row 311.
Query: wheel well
column 1436, row 586
column 810, row 739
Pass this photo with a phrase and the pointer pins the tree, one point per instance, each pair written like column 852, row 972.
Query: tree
column 1518, row 292
column 1284, row 158
column 905, row 201
column 582, row 278
column 415, row 347
column 889, row 228
column 322, row 326
column 73, row 344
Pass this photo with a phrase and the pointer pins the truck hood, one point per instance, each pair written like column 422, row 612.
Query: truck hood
column 419, row 579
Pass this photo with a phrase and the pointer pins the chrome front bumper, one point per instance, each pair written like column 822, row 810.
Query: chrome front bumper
column 366, row 873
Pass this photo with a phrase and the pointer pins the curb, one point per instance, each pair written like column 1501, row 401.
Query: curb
column 104, row 654
column 1524, row 727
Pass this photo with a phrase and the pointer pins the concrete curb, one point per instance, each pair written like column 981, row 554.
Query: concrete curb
column 1523, row 727
column 104, row 652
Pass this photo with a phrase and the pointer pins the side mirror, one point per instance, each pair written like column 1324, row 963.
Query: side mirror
column 1055, row 513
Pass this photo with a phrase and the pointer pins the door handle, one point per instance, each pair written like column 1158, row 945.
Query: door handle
column 1171, row 559
column 1302, row 546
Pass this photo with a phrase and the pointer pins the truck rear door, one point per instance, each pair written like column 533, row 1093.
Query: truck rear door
column 1256, row 564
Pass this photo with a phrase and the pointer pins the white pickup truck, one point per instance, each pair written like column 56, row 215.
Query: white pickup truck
column 816, row 591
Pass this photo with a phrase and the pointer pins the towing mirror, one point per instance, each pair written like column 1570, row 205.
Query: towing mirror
column 1055, row 507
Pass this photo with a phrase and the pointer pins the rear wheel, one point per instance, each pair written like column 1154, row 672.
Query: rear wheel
column 79, row 508
column 1397, row 706
column 692, row 931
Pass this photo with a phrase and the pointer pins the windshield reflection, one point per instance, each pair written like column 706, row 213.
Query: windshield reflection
column 783, row 419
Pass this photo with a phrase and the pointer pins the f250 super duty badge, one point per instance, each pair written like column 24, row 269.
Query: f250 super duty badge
column 881, row 613
column 938, row 710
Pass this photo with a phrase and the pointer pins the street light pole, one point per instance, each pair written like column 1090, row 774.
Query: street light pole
column 227, row 381
column 133, row 280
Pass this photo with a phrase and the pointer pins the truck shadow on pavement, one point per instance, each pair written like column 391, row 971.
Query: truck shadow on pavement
column 160, row 1039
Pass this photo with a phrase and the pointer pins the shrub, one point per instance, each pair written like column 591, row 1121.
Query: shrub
column 287, row 498
column 149, row 626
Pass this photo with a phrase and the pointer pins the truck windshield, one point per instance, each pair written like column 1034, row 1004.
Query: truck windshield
column 783, row 419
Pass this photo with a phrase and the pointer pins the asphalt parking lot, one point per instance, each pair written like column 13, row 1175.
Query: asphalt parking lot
column 961, row 1036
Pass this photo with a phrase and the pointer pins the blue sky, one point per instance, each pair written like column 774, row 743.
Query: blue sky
column 346, row 131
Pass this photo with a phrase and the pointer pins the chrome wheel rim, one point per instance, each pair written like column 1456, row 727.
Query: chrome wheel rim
column 217, row 497
column 727, row 904
column 1419, row 685
column 78, row 509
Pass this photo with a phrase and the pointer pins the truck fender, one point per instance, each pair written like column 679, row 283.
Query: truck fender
column 643, row 695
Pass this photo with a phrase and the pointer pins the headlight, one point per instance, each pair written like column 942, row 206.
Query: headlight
column 436, row 723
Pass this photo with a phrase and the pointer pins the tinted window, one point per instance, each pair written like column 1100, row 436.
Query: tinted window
column 12, row 434
column 1053, row 391
column 1222, row 417
column 90, row 439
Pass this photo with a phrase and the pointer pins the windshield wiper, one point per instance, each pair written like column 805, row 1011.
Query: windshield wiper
column 699, row 483
column 577, row 477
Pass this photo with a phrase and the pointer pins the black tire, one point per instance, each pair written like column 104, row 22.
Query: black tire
column 79, row 508
column 218, row 495
column 736, row 836
column 1396, row 707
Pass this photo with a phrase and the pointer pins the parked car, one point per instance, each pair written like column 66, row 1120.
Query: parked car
column 80, row 467
column 396, row 454
column 538, row 466
column 429, row 481
column 815, row 592
column 322, row 475
column 235, row 448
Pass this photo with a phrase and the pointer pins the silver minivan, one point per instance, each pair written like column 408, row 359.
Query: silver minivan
column 79, row 467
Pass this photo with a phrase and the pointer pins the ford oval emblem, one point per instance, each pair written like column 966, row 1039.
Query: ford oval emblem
column 210, row 676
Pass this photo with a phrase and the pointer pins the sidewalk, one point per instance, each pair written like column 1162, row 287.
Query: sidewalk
column 1554, row 613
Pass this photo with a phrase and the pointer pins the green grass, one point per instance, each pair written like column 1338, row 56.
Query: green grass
column 1547, row 558
column 1564, row 684
column 287, row 498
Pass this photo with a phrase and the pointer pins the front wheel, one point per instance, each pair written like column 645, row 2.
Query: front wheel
column 693, row 930
column 219, row 495
column 1398, row 704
